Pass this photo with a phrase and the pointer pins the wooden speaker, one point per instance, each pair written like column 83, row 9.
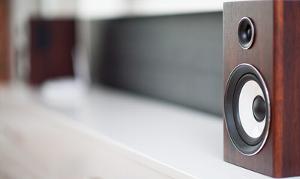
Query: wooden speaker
column 262, row 86
column 52, row 43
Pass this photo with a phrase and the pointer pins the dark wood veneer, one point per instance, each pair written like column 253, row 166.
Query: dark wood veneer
column 276, row 54
column 4, row 41
column 52, row 43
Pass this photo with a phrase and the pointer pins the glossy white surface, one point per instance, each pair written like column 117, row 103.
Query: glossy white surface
column 39, row 143
column 188, row 140
column 110, row 135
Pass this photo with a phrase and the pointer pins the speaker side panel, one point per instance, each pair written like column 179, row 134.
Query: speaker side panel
column 289, row 86
column 259, row 55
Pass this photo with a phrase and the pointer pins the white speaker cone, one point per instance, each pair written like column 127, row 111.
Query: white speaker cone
column 251, row 126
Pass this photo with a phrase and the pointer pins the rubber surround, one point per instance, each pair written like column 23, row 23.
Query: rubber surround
column 238, row 77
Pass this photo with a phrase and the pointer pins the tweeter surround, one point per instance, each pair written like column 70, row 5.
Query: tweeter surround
column 247, row 109
column 246, row 32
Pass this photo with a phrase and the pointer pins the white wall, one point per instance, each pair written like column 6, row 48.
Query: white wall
column 102, row 8
column 21, row 11
column 113, row 8
column 58, row 8
column 175, row 6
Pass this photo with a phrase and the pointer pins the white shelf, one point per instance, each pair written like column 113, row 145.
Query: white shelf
column 111, row 131
column 185, row 139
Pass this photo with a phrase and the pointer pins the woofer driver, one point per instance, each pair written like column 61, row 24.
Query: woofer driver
column 247, row 109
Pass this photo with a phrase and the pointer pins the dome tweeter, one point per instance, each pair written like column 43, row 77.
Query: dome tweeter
column 246, row 32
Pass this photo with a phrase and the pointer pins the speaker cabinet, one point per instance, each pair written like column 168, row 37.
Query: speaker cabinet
column 262, row 86
column 52, row 43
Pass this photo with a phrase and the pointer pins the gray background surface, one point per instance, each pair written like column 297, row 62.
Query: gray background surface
column 175, row 58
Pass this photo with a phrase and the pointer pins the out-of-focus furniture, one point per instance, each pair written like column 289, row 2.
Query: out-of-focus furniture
column 4, row 41
column 52, row 44
column 176, row 58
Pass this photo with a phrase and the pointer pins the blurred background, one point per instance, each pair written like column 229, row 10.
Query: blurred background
column 169, row 51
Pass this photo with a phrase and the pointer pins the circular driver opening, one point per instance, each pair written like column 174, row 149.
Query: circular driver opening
column 246, row 32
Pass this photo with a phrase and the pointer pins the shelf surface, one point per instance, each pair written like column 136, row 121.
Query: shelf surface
column 170, row 139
